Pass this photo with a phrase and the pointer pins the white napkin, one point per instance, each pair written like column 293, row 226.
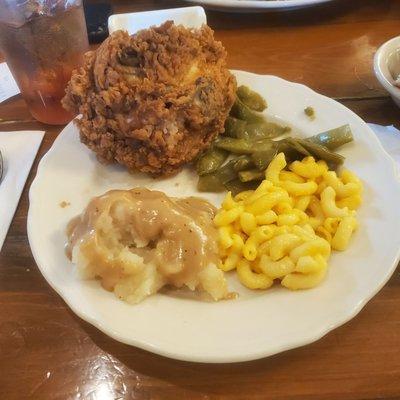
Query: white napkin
column 19, row 150
column 8, row 86
column 389, row 136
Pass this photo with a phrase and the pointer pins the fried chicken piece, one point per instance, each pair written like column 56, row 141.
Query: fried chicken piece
column 154, row 100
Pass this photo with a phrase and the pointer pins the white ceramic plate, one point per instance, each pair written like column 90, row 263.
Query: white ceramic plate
column 257, row 324
column 257, row 5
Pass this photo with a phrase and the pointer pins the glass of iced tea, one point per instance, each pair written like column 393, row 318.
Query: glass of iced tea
column 43, row 41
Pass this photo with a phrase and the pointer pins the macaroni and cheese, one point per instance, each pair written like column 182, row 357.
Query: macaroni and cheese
column 287, row 227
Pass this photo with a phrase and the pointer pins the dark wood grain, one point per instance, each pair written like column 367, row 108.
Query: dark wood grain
column 329, row 48
column 46, row 352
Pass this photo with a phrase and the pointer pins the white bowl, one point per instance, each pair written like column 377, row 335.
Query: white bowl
column 191, row 17
column 386, row 62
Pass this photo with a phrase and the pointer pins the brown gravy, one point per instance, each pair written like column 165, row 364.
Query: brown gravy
column 177, row 235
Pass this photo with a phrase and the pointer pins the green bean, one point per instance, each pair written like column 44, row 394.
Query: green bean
column 289, row 146
column 211, row 160
column 241, row 111
column 210, row 183
column 236, row 146
column 263, row 145
column 251, row 99
column 265, row 130
column 226, row 173
column 215, row 181
column 333, row 138
column 261, row 159
column 296, row 146
column 239, row 129
column 234, row 127
column 236, row 186
column 242, row 163
column 249, row 136
column 251, row 175
column 322, row 153
column 244, row 146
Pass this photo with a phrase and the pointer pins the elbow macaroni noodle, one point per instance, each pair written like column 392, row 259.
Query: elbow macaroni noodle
column 287, row 227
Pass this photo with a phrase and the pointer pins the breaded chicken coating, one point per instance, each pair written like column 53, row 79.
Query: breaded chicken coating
column 154, row 100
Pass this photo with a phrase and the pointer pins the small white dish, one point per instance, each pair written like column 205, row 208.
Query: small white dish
column 258, row 323
column 387, row 67
column 191, row 17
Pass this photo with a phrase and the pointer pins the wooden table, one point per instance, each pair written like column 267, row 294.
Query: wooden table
column 46, row 352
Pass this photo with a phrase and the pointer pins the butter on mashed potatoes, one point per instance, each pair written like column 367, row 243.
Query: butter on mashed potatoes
column 137, row 241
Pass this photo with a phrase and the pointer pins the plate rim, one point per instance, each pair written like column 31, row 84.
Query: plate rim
column 250, row 356
column 257, row 4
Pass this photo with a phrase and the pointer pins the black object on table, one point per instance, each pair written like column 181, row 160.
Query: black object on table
column 96, row 16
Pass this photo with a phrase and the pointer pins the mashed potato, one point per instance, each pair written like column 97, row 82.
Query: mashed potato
column 137, row 241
